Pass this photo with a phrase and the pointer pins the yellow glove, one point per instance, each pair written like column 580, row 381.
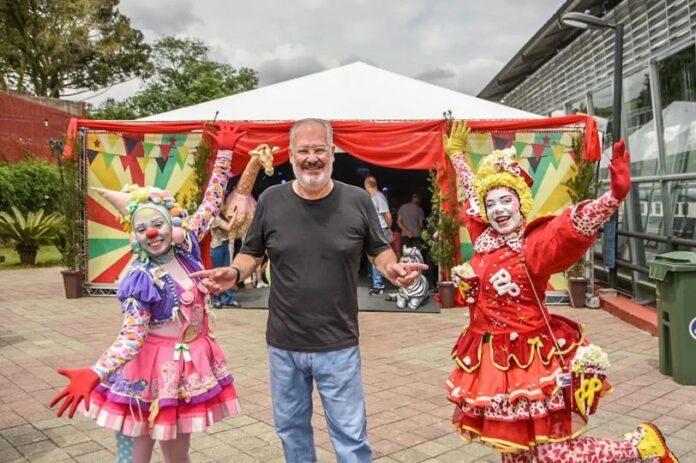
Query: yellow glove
column 458, row 140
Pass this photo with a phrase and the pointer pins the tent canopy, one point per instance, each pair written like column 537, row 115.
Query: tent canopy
column 355, row 91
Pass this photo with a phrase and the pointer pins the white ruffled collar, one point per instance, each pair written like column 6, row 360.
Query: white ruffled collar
column 490, row 240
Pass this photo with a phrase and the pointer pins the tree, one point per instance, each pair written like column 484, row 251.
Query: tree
column 183, row 74
column 52, row 45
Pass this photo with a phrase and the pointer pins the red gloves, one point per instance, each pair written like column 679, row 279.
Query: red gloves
column 225, row 138
column 82, row 382
column 620, row 169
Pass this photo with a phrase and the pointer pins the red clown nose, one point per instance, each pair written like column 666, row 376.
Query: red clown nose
column 151, row 233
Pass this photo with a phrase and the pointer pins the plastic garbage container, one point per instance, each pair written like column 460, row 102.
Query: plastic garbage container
column 675, row 275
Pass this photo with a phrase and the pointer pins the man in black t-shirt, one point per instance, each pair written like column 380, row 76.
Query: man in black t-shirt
column 315, row 230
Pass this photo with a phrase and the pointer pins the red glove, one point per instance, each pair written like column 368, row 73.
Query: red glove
column 225, row 138
column 82, row 382
column 620, row 168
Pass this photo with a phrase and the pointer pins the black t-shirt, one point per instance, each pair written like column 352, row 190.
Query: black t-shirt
column 314, row 248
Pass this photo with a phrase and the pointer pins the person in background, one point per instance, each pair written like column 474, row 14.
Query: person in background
column 410, row 221
column 385, row 221
column 220, row 255
column 315, row 231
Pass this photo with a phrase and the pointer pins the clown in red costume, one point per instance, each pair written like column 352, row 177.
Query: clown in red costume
column 525, row 380
column 165, row 376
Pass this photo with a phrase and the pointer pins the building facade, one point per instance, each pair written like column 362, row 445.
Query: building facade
column 562, row 70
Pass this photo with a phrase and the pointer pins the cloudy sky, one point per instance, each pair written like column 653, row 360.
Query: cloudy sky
column 458, row 44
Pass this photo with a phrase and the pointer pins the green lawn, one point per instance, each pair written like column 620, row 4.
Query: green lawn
column 48, row 256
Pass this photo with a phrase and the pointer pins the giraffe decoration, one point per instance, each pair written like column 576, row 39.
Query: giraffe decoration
column 240, row 203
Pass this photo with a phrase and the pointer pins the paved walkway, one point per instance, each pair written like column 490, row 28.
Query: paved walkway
column 405, row 363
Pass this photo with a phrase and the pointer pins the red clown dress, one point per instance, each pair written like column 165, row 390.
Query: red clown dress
column 504, row 384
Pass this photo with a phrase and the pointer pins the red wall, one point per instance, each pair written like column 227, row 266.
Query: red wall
column 23, row 128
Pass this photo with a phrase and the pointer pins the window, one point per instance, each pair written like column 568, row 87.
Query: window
column 677, row 78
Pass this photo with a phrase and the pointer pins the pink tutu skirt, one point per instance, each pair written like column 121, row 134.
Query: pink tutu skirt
column 167, row 389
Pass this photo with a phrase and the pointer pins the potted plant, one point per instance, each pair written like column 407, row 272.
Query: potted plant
column 69, row 239
column 581, row 186
column 28, row 232
column 441, row 235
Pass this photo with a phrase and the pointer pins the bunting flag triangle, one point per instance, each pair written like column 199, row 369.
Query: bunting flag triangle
column 134, row 147
column 534, row 163
column 108, row 159
column 480, row 143
column 161, row 163
column 114, row 143
column 519, row 147
column 475, row 160
column 125, row 162
column 180, row 160
column 164, row 151
column 502, row 141
column 558, row 151
column 142, row 162
column 147, row 149
column 91, row 155
column 538, row 149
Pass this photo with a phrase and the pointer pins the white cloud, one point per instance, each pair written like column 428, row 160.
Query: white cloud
column 455, row 44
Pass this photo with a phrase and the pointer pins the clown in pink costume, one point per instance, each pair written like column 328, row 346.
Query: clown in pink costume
column 165, row 376
column 512, row 385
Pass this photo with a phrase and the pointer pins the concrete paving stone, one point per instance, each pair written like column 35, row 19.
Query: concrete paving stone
column 381, row 447
column 432, row 449
column 197, row 457
column 22, row 435
column 100, row 456
column 66, row 436
column 82, row 449
column 409, row 455
column 9, row 419
column 43, row 451
column 266, row 453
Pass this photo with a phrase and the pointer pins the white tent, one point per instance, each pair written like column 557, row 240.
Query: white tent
column 355, row 91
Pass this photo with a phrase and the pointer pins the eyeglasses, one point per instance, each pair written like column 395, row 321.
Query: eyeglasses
column 319, row 150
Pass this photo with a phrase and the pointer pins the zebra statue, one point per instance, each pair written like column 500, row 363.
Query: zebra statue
column 415, row 295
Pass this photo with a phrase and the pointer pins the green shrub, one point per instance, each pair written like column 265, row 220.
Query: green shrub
column 29, row 185
column 28, row 231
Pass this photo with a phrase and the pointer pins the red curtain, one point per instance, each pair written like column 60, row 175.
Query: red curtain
column 399, row 145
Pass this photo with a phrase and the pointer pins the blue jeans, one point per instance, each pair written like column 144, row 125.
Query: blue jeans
column 221, row 258
column 339, row 383
column 377, row 280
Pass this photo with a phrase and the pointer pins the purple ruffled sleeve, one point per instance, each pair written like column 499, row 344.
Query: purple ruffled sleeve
column 138, row 285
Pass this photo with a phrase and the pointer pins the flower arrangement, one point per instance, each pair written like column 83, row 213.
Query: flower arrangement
column 589, row 367
column 466, row 281
column 590, row 359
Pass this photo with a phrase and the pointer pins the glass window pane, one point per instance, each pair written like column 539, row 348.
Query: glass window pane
column 602, row 109
column 640, row 128
column 651, row 216
column 683, row 194
column 578, row 106
column 677, row 75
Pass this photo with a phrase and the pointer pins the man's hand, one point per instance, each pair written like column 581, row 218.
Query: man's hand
column 82, row 382
column 225, row 137
column 620, row 169
column 458, row 139
column 404, row 274
column 217, row 280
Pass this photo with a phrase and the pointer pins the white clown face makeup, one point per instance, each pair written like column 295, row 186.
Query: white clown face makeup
column 152, row 231
column 503, row 210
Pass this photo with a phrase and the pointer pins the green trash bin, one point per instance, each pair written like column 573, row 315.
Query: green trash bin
column 675, row 273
